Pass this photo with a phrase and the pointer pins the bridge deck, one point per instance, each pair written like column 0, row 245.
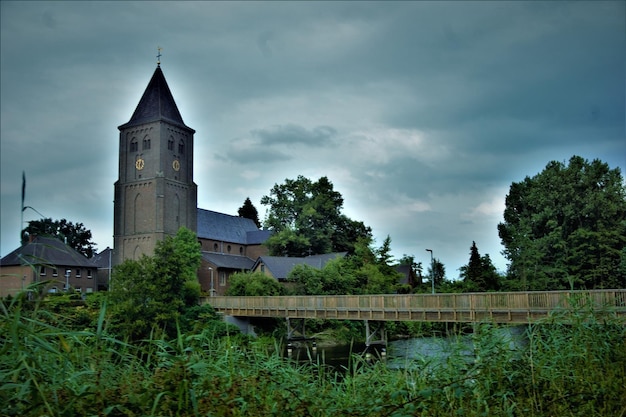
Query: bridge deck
column 501, row 307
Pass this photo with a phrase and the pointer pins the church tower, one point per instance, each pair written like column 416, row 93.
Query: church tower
column 155, row 194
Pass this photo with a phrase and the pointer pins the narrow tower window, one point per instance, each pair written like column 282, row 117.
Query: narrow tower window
column 146, row 143
column 134, row 145
column 181, row 147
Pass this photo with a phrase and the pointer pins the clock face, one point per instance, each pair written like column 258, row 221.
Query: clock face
column 176, row 165
column 139, row 164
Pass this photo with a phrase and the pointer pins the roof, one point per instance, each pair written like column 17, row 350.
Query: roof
column 226, row 228
column 157, row 103
column 406, row 272
column 281, row 266
column 103, row 259
column 46, row 251
column 221, row 260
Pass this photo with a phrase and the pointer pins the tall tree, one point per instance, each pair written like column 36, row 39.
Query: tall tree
column 248, row 211
column 152, row 292
column 566, row 227
column 75, row 236
column 479, row 274
column 438, row 270
column 306, row 219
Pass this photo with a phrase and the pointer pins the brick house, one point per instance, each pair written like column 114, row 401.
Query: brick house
column 47, row 259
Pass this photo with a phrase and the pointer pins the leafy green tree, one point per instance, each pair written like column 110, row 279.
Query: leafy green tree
column 248, row 211
column 438, row 270
column 306, row 219
column 75, row 236
column 151, row 293
column 566, row 227
column 367, row 271
column 253, row 283
column 479, row 274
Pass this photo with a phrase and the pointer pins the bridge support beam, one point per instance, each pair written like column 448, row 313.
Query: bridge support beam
column 295, row 329
column 375, row 333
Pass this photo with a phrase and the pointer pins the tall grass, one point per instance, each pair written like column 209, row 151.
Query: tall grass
column 573, row 369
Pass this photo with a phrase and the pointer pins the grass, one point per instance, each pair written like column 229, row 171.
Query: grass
column 47, row 369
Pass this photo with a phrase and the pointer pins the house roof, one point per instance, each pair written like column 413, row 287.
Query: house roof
column 406, row 272
column 281, row 266
column 225, row 261
column 103, row 259
column 46, row 251
column 157, row 103
column 226, row 228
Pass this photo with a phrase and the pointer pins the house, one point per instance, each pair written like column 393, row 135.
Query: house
column 47, row 259
column 103, row 261
column 408, row 276
column 279, row 267
column 229, row 244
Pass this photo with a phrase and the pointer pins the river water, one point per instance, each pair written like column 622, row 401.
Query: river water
column 406, row 352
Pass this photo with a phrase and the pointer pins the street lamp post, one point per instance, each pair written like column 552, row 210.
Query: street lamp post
column 67, row 279
column 432, row 270
column 212, row 283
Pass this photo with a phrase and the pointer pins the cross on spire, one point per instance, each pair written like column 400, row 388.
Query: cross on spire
column 159, row 56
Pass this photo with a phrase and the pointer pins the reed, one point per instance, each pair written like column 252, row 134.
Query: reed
column 573, row 369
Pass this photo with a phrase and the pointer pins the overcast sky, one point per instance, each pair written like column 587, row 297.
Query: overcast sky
column 421, row 114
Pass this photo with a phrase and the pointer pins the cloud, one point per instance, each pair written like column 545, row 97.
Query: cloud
column 292, row 134
column 420, row 113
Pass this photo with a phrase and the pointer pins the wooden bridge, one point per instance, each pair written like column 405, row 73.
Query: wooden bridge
column 498, row 307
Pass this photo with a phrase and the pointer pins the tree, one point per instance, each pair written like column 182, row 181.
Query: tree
column 75, row 236
column 154, row 291
column 367, row 271
column 479, row 274
column 438, row 270
column 306, row 219
column 248, row 211
column 566, row 227
column 253, row 284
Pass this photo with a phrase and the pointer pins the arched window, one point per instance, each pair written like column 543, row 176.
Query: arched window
column 170, row 144
column 134, row 145
column 181, row 147
column 146, row 143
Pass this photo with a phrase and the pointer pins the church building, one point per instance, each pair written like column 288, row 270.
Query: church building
column 155, row 194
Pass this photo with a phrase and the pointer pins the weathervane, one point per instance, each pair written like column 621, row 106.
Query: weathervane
column 159, row 56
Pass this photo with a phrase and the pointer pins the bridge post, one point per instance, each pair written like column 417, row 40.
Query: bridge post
column 297, row 326
column 376, row 330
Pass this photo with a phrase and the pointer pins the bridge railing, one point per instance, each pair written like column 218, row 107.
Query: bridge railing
column 531, row 303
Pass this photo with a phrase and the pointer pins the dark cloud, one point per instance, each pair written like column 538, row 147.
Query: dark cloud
column 292, row 134
column 421, row 113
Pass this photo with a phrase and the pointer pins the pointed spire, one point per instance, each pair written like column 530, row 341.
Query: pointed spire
column 157, row 103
